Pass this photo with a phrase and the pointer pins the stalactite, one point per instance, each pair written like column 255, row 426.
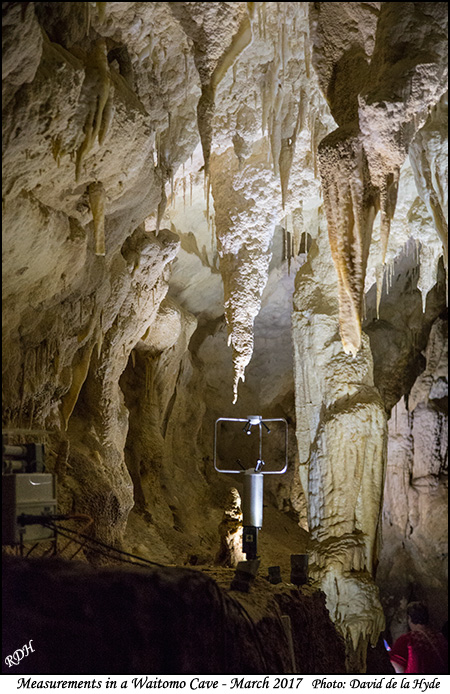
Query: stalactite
column 286, row 157
column 98, row 79
column 161, row 207
column 87, row 17
column 57, row 150
column 388, row 199
column 97, row 198
column 264, row 20
column 289, row 250
column 275, row 133
column 186, row 72
column 351, row 204
column 306, row 51
column 107, row 116
column 213, row 234
column 259, row 14
column 269, row 91
column 101, row 9
column 100, row 336
column 283, row 43
column 417, row 250
column 379, row 274
column 297, row 229
column 313, row 140
column 429, row 161
column 206, row 105
column 80, row 368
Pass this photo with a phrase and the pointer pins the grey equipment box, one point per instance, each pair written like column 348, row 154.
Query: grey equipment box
column 29, row 493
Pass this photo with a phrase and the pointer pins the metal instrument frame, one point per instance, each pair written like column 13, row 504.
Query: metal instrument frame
column 257, row 421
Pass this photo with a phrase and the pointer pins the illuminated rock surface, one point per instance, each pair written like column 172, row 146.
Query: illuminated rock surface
column 415, row 532
column 216, row 209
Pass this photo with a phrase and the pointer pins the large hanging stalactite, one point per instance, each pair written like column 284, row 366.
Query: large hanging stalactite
column 391, row 106
column 264, row 157
column 350, row 204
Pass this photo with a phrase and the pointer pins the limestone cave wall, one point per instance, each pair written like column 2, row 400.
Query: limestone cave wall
column 219, row 209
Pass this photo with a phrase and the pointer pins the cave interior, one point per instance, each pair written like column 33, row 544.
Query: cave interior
column 206, row 217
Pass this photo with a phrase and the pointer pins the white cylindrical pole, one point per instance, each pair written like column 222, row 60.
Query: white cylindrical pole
column 252, row 500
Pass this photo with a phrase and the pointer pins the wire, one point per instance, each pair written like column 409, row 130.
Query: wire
column 26, row 519
column 32, row 548
column 104, row 554
column 89, row 522
column 78, row 550
column 101, row 544
column 48, row 521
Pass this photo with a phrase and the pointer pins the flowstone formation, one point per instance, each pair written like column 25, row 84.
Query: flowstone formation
column 341, row 434
column 213, row 209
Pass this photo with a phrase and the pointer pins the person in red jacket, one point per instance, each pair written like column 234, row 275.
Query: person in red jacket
column 422, row 650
